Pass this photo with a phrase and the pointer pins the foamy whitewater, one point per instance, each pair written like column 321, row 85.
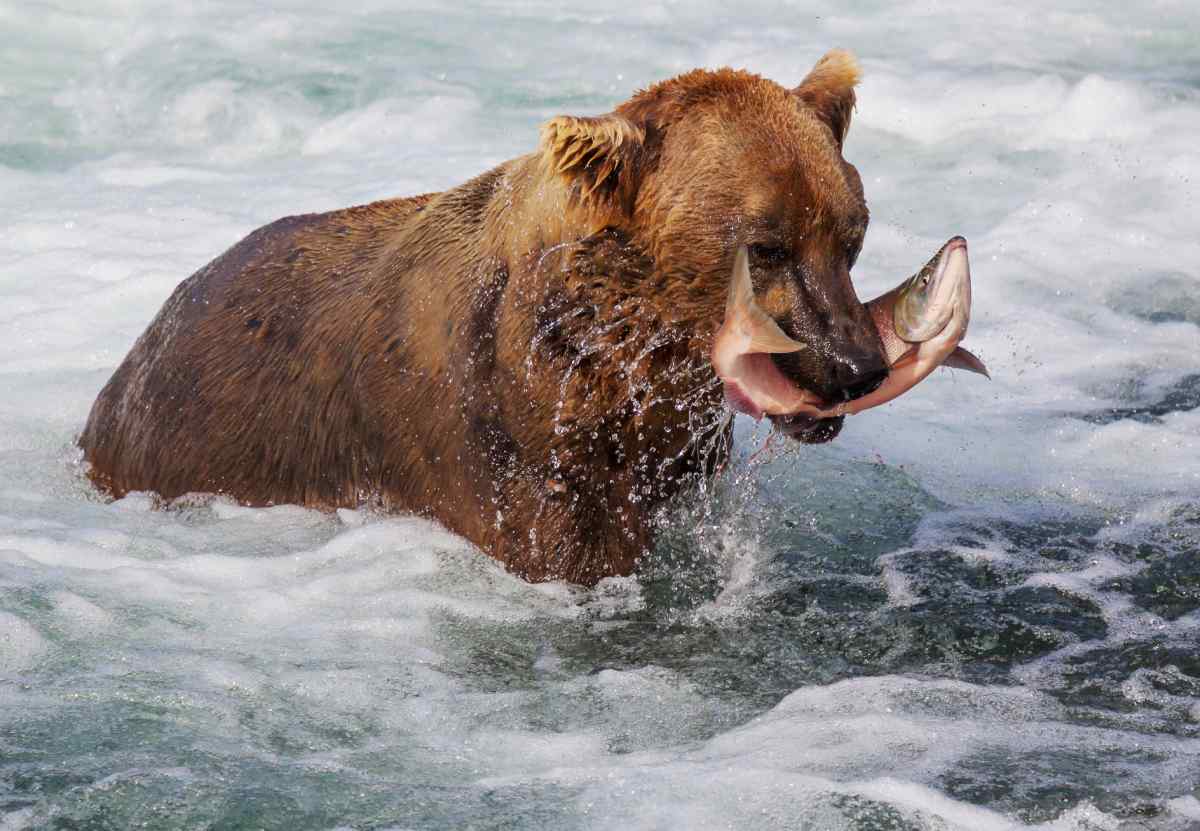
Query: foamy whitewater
column 979, row 608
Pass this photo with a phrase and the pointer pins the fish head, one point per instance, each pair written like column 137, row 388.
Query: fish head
column 921, row 323
column 936, row 295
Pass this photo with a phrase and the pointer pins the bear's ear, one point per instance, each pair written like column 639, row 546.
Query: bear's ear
column 829, row 90
column 598, row 155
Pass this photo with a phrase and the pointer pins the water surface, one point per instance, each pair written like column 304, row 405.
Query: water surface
column 978, row 609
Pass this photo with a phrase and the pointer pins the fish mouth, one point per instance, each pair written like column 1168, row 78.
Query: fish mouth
column 761, row 389
column 802, row 423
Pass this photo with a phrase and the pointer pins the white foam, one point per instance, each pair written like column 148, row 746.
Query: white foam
column 818, row 742
column 79, row 614
column 1186, row 806
column 17, row 820
column 153, row 175
column 390, row 121
column 21, row 645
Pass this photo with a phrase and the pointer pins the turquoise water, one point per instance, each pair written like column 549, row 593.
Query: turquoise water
column 977, row 609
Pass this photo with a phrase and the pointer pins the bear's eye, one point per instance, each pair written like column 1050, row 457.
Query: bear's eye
column 767, row 254
column 852, row 252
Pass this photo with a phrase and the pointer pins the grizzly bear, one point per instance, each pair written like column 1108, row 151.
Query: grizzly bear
column 525, row 358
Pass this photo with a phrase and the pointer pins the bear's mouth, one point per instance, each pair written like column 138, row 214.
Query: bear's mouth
column 755, row 386
column 808, row 429
column 751, row 393
column 742, row 357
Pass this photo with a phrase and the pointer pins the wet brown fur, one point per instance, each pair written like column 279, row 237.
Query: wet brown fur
column 523, row 358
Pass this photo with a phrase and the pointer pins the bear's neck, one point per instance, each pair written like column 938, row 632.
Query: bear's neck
column 636, row 398
column 604, row 402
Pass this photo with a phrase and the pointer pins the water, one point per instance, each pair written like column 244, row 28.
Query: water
column 977, row 609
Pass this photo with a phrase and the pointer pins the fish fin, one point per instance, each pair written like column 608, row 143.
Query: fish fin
column 962, row 359
column 765, row 334
column 768, row 337
column 741, row 289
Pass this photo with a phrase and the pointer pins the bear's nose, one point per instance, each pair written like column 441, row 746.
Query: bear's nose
column 867, row 384
column 857, row 378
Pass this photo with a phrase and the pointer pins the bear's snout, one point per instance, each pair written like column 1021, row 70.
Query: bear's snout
column 859, row 374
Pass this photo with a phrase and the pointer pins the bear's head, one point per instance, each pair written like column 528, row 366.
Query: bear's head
column 696, row 167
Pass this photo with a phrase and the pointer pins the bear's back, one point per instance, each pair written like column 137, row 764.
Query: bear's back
column 226, row 388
